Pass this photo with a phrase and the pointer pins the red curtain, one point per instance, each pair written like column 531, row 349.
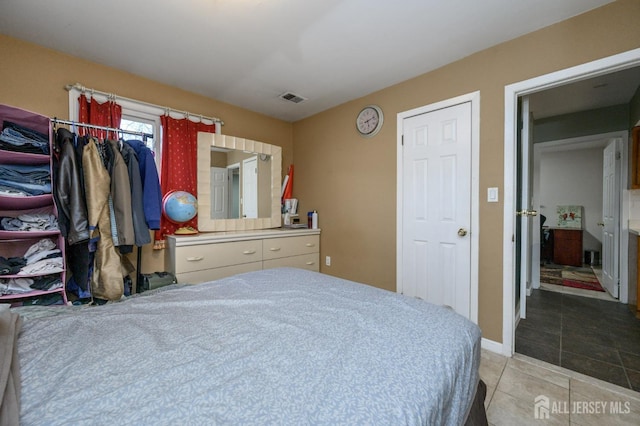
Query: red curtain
column 179, row 164
column 107, row 114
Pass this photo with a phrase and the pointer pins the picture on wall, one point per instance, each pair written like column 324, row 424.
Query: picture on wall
column 569, row 217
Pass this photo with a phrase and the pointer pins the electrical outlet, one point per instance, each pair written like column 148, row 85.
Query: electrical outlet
column 327, row 260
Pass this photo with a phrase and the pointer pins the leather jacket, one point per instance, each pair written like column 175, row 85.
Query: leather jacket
column 69, row 189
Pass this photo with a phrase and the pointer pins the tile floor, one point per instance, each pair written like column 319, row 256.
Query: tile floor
column 513, row 384
column 595, row 337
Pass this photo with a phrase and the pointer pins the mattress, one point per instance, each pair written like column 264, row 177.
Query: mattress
column 280, row 346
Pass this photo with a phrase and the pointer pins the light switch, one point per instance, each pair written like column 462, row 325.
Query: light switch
column 492, row 195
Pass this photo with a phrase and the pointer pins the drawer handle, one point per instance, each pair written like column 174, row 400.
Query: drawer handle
column 274, row 249
column 310, row 245
column 249, row 252
column 311, row 263
column 194, row 258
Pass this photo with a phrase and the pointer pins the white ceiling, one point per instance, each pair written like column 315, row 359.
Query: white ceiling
column 247, row 52
column 611, row 89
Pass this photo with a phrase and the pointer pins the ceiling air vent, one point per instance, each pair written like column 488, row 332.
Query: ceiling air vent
column 292, row 97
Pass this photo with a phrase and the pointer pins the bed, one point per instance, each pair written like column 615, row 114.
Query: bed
column 279, row 346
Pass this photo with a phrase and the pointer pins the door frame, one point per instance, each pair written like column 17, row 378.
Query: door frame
column 474, row 99
column 511, row 93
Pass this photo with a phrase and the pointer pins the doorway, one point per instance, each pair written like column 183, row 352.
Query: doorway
column 438, row 158
column 250, row 188
column 571, row 172
column 513, row 92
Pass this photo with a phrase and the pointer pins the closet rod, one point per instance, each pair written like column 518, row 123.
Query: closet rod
column 83, row 89
column 95, row 126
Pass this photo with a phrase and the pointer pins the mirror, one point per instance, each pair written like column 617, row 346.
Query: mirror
column 238, row 184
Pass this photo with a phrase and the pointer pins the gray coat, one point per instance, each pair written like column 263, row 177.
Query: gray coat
column 140, row 227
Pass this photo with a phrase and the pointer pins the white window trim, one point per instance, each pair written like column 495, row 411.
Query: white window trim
column 157, row 129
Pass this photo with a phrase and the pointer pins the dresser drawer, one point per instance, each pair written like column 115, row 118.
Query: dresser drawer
column 205, row 275
column 210, row 256
column 305, row 261
column 275, row 248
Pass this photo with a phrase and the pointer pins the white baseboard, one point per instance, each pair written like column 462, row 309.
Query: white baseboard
column 492, row 346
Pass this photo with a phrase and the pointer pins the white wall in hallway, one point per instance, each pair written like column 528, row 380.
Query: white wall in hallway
column 573, row 177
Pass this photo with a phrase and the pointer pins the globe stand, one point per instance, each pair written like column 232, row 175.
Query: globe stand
column 186, row 230
column 179, row 207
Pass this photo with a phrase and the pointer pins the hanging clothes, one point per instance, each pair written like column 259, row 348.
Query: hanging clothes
column 107, row 277
column 140, row 228
column 71, row 204
column 121, row 197
column 151, row 192
column 68, row 189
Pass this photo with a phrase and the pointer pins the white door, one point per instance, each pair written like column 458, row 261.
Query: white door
column 525, row 212
column 436, row 207
column 250, row 188
column 219, row 187
column 610, row 217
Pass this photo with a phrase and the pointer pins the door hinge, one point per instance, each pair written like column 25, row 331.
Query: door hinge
column 402, row 140
column 513, row 238
column 618, row 155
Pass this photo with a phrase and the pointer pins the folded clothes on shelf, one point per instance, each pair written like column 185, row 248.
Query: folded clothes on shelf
column 15, row 137
column 32, row 179
column 25, row 285
column 15, row 286
column 46, row 283
column 12, row 265
column 42, row 257
column 44, row 266
column 30, row 222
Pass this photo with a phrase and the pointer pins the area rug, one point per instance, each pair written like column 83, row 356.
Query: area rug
column 570, row 276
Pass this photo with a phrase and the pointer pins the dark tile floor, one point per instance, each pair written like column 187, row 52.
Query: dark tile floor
column 594, row 337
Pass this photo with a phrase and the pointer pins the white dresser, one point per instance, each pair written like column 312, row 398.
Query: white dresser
column 210, row 256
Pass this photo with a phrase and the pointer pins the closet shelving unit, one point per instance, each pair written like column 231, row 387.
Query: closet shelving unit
column 16, row 243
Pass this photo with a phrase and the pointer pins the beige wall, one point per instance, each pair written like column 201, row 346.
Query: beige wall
column 351, row 181
column 33, row 78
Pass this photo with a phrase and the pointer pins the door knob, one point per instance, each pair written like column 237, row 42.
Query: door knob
column 600, row 223
column 462, row 232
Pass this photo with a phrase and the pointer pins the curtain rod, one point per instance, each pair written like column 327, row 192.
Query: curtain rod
column 95, row 126
column 113, row 96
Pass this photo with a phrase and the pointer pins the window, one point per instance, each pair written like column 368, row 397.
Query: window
column 136, row 124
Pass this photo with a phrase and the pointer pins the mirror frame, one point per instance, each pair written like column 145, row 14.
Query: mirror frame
column 208, row 140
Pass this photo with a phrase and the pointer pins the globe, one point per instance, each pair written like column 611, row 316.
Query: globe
column 180, row 207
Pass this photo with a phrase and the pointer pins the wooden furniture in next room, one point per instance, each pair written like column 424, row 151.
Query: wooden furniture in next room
column 567, row 246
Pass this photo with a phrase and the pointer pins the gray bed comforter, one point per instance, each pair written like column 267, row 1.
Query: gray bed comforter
column 281, row 346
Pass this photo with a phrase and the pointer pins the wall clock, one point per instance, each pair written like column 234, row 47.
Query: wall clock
column 369, row 120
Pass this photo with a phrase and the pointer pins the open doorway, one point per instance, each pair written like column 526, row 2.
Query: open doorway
column 567, row 312
column 567, row 250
